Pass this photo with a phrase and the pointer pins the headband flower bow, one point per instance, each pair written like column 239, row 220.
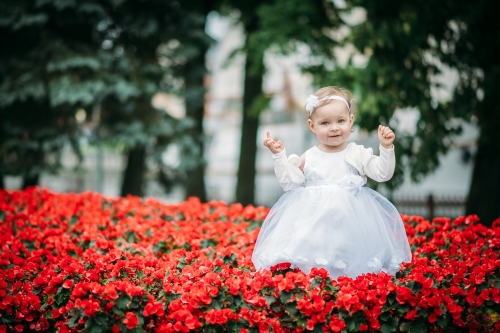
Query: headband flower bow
column 311, row 103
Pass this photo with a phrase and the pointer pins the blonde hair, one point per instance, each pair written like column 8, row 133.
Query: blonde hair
column 334, row 91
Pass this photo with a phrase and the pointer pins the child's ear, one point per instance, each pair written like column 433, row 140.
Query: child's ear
column 351, row 118
column 310, row 124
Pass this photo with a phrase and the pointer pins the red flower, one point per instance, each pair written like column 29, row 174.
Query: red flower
column 151, row 309
column 182, row 257
column 68, row 284
column 90, row 307
column 337, row 324
column 131, row 320
column 280, row 267
column 404, row 294
column 411, row 315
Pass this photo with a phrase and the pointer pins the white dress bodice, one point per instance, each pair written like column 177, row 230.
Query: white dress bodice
column 326, row 166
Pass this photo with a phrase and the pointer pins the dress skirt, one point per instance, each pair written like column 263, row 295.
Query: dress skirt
column 338, row 225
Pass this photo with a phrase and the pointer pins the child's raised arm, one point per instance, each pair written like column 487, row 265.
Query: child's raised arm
column 274, row 146
column 287, row 170
column 386, row 136
column 381, row 168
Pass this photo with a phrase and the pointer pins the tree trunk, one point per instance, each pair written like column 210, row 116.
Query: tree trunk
column 245, row 187
column 31, row 180
column 133, row 179
column 484, row 192
column 195, row 94
column 2, row 183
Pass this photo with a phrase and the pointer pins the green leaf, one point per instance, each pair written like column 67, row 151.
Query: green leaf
column 102, row 318
column 73, row 321
column 442, row 322
column 419, row 328
column 118, row 312
column 387, row 328
column 404, row 326
column 131, row 237
column 285, row 296
column 390, row 325
column 351, row 324
column 182, row 263
column 318, row 328
column 330, row 286
column 292, row 309
column 270, row 299
column 216, row 304
column 159, row 246
column 205, row 243
column 172, row 296
column 403, row 308
column 5, row 319
column 62, row 296
column 123, row 302
column 237, row 300
column 386, row 315
column 92, row 326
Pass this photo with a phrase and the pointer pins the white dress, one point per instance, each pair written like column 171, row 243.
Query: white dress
column 332, row 222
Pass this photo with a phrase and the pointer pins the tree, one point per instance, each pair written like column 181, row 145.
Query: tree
column 407, row 44
column 283, row 24
column 49, row 68
column 154, row 45
column 190, row 66
column 132, row 33
column 100, row 56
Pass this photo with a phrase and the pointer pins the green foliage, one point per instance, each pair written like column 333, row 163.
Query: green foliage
column 407, row 44
column 99, row 56
column 48, row 71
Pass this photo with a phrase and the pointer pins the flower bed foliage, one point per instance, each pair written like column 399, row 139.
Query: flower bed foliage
column 73, row 262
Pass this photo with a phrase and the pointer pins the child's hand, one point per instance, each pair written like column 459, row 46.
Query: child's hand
column 274, row 146
column 386, row 136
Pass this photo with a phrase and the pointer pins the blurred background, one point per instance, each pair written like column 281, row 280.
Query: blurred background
column 172, row 99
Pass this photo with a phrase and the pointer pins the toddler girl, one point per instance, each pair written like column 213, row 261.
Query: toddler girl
column 326, row 218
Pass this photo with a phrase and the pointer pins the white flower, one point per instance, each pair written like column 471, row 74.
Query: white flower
column 321, row 261
column 340, row 264
column 375, row 264
column 311, row 102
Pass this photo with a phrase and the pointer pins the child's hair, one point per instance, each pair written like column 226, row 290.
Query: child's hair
column 335, row 91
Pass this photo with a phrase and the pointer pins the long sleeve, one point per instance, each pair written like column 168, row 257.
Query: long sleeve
column 287, row 170
column 380, row 168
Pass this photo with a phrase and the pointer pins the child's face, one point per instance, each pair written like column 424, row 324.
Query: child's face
column 332, row 125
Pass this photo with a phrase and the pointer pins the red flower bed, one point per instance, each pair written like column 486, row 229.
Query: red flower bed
column 73, row 262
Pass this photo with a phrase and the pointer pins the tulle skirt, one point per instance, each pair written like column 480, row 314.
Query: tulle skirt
column 337, row 225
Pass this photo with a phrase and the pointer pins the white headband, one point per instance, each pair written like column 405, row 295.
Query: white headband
column 312, row 102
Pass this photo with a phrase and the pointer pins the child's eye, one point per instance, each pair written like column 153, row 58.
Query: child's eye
column 324, row 123
column 341, row 121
